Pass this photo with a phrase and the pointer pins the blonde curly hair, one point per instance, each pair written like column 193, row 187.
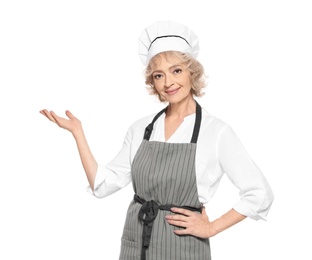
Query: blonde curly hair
column 197, row 74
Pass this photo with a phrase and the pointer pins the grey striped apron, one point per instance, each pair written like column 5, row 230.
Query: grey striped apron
column 163, row 176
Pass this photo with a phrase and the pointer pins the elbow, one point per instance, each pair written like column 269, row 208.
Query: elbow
column 268, row 200
column 256, row 204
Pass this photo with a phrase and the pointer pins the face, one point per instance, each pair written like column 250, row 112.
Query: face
column 172, row 80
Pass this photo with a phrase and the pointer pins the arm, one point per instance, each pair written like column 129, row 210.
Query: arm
column 255, row 193
column 88, row 162
column 74, row 126
column 227, row 220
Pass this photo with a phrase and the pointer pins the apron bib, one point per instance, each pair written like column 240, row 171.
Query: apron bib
column 163, row 176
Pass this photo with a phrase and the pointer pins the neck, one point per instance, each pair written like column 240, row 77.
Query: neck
column 182, row 109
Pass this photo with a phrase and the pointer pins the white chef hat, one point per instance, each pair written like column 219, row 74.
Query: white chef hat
column 167, row 36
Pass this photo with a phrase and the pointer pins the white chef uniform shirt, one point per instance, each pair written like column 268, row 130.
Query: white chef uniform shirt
column 218, row 152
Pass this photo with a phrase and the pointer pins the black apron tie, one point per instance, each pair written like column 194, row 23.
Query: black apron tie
column 198, row 118
column 147, row 214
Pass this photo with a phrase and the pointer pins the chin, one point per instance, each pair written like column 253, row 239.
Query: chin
column 177, row 99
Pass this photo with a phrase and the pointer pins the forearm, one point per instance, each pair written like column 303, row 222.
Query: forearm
column 227, row 220
column 88, row 161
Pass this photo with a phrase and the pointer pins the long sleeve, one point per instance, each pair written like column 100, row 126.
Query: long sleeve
column 117, row 173
column 256, row 195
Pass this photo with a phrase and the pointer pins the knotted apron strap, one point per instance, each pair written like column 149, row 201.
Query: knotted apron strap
column 147, row 214
column 149, row 128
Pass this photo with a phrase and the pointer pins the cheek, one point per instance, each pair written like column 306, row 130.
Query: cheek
column 187, row 80
column 188, row 84
column 158, row 85
column 158, row 90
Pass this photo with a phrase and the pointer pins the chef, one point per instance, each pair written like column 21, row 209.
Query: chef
column 175, row 158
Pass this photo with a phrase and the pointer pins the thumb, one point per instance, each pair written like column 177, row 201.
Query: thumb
column 204, row 212
column 69, row 114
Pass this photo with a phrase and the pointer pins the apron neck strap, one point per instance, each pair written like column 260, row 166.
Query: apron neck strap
column 149, row 128
column 197, row 123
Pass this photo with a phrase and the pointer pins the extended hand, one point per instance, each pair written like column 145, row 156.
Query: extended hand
column 72, row 124
column 194, row 223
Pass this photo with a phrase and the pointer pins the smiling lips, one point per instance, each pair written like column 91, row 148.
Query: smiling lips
column 172, row 91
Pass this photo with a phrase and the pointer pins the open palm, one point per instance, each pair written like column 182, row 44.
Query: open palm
column 71, row 124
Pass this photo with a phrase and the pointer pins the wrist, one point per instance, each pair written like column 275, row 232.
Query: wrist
column 78, row 133
column 212, row 230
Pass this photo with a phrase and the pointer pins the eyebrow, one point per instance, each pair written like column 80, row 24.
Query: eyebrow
column 171, row 67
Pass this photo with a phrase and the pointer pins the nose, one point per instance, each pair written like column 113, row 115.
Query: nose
column 168, row 81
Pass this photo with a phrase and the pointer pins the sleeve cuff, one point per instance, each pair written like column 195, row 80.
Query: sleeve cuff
column 248, row 212
column 99, row 178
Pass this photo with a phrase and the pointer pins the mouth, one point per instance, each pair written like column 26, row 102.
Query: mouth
column 172, row 91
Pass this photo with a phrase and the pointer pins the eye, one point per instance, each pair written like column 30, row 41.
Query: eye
column 157, row 76
column 177, row 71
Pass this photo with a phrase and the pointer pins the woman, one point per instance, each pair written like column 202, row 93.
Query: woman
column 174, row 159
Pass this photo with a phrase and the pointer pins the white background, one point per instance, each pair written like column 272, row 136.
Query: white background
column 82, row 56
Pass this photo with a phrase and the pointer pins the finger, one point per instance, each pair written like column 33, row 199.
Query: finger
column 181, row 232
column 176, row 218
column 177, row 223
column 47, row 114
column 182, row 211
column 42, row 112
column 55, row 117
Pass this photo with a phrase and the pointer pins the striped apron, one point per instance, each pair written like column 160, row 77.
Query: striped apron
column 163, row 176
